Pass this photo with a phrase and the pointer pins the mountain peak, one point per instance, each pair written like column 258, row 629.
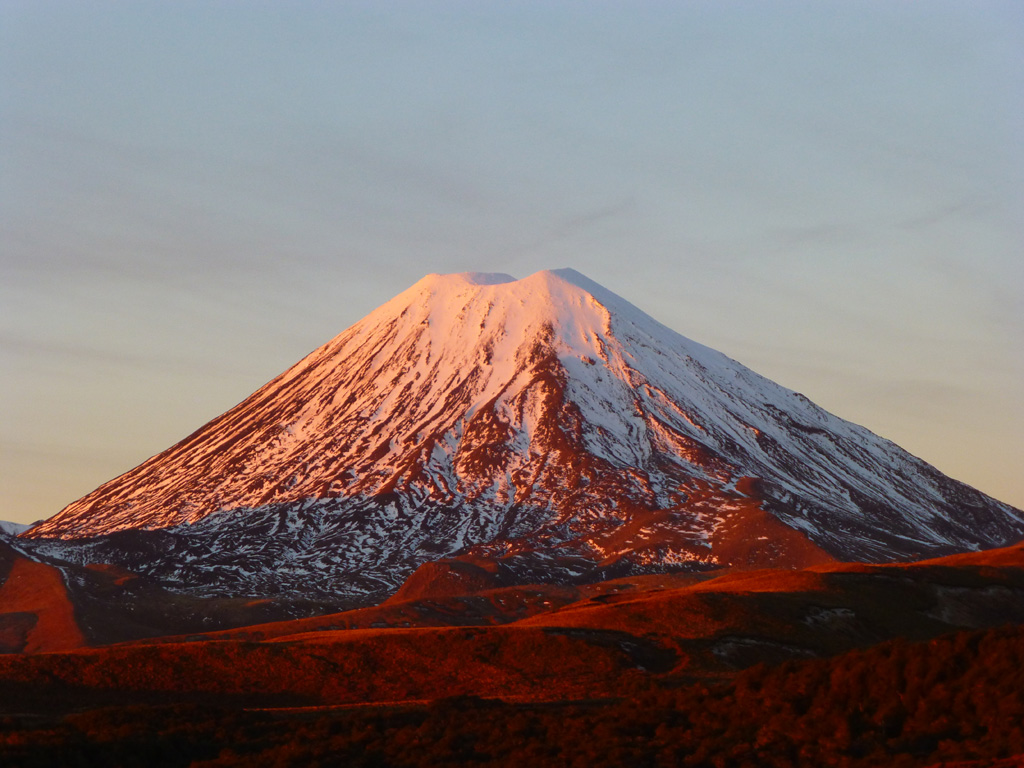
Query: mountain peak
column 499, row 278
column 469, row 309
column 545, row 282
column 472, row 319
column 439, row 280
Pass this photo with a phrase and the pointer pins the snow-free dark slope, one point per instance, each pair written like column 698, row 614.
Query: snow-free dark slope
column 544, row 428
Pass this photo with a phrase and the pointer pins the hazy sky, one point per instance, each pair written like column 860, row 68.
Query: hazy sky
column 195, row 195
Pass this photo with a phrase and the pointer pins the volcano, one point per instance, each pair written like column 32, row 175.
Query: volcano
column 492, row 430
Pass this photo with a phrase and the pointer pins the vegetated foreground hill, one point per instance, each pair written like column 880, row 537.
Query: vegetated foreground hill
column 542, row 642
column 956, row 701
column 541, row 429
column 854, row 665
column 959, row 697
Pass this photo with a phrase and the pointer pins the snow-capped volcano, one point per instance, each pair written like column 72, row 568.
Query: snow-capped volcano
column 545, row 422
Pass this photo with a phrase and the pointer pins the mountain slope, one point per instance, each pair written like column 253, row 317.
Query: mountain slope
column 36, row 613
column 542, row 424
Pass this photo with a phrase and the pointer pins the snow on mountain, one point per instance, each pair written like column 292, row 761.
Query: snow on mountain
column 545, row 425
column 12, row 529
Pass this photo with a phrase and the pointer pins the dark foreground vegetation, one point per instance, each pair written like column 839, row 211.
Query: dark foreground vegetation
column 956, row 699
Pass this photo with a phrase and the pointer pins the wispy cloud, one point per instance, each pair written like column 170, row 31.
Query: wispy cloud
column 964, row 208
column 24, row 350
column 572, row 226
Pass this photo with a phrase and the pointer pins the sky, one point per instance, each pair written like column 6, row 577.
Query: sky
column 194, row 195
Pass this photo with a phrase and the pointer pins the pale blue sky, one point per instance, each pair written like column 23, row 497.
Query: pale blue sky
column 195, row 195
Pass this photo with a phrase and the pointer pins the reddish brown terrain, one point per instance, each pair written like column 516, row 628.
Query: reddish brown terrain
column 37, row 614
column 834, row 664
